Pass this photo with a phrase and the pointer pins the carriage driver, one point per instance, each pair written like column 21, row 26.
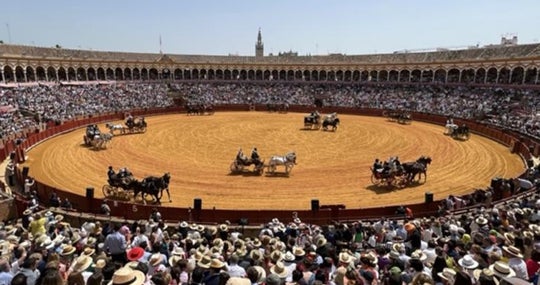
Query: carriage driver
column 110, row 173
column 377, row 166
column 240, row 155
column 255, row 156
column 129, row 120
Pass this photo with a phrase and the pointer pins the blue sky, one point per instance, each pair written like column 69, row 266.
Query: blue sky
column 218, row 27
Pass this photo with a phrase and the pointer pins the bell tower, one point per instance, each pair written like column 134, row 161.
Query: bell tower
column 259, row 46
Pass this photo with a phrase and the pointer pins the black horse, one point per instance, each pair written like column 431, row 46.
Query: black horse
column 461, row 132
column 312, row 120
column 154, row 186
column 418, row 167
column 333, row 122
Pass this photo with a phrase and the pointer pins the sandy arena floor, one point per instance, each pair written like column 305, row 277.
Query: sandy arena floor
column 332, row 167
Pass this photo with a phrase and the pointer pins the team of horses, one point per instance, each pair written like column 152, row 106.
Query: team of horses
column 314, row 121
column 401, row 174
column 150, row 185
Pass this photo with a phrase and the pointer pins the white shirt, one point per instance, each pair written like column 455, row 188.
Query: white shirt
column 519, row 267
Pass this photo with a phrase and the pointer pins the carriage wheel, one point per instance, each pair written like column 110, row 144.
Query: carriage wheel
column 466, row 136
column 143, row 129
column 261, row 170
column 375, row 180
column 236, row 167
column 107, row 190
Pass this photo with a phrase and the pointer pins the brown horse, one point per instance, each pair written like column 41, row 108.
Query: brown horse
column 418, row 167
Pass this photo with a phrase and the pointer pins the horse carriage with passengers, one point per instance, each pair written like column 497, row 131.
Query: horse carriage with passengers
column 401, row 117
column 135, row 125
column 312, row 121
column 282, row 108
column 458, row 132
column 242, row 163
column 124, row 186
column 199, row 109
column 392, row 173
column 95, row 138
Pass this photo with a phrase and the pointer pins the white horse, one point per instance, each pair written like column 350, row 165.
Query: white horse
column 288, row 160
column 101, row 141
column 112, row 128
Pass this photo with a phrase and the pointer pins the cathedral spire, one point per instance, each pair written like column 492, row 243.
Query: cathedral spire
column 259, row 46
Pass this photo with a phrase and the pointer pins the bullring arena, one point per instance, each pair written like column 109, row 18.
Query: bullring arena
column 333, row 167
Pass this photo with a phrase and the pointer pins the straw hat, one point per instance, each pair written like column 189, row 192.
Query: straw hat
column 502, row 269
column 279, row 269
column 155, row 259
column 298, row 251
column 255, row 254
column 261, row 275
column 468, row 262
column 183, row 224
column 485, row 273
column 82, row 263
column 58, row 218
column 238, row 281
column 100, row 263
column 174, row 259
column 126, row 275
column 88, row 251
column 344, row 257
column 205, row 262
column 27, row 212
column 321, row 241
column 257, row 242
column 216, row 263
column 289, row 257
column 178, row 251
column 276, row 256
column 447, row 274
column 223, row 227
column 481, row 221
column 513, row 251
column 419, row 254
column 67, row 250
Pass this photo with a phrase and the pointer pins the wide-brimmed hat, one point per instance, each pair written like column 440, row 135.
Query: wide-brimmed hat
column 48, row 214
column 218, row 242
column 513, row 251
column 321, row 241
column 261, row 275
column 298, row 251
column 204, row 262
column 174, row 259
column 238, row 281
column 447, row 274
column 178, row 251
column 276, row 255
column 100, row 263
column 481, row 221
column 510, row 238
column 223, row 227
column 27, row 212
column 468, row 262
column 257, row 242
column 67, row 250
column 279, row 269
column 126, row 275
column 345, row 257
column 502, row 269
column 393, row 254
column 289, row 257
column 135, row 253
column 485, row 273
column 58, row 218
column 255, row 254
column 82, row 263
column 88, row 251
column 216, row 263
column 156, row 259
column 419, row 254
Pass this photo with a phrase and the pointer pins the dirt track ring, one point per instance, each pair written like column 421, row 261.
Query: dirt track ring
column 334, row 169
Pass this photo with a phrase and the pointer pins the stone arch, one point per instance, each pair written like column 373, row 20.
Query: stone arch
column 127, row 74
column 440, row 76
column 165, row 74
column 347, row 76
column 467, row 76
column 339, row 76
column 136, row 74
column 91, row 72
column 19, row 74
column 81, row 74
column 62, row 74
column 30, row 74
column 219, row 74
column 491, row 75
column 504, row 76
column 197, row 74
column 178, row 74
column 517, row 75
column 9, row 75
column 383, row 76
column 314, row 75
column 453, row 76
column 364, row 76
column 153, row 74
column 530, row 75
column 100, row 73
column 72, row 74
column 322, row 75
column 393, row 76
column 282, row 75
column 243, row 74
column 51, row 74
column 373, row 75
column 202, row 74
column 235, row 74
column 404, row 75
column 41, row 75
column 227, row 75
column 119, row 74
column 307, row 75
column 251, row 74
column 258, row 74
column 144, row 74
column 427, row 76
column 298, row 75
column 109, row 74
column 416, row 74
column 331, row 76
column 480, row 76
column 356, row 75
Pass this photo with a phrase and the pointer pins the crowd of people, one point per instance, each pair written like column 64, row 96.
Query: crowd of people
column 491, row 245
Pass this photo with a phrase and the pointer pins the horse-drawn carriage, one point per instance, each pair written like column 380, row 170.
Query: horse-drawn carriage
column 95, row 138
column 199, row 109
column 124, row 186
column 458, row 132
column 277, row 107
column 401, row 117
column 330, row 120
column 242, row 163
column 400, row 175
column 137, row 125
column 312, row 121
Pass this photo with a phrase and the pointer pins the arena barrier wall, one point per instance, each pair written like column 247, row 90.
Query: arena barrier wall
column 325, row 214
